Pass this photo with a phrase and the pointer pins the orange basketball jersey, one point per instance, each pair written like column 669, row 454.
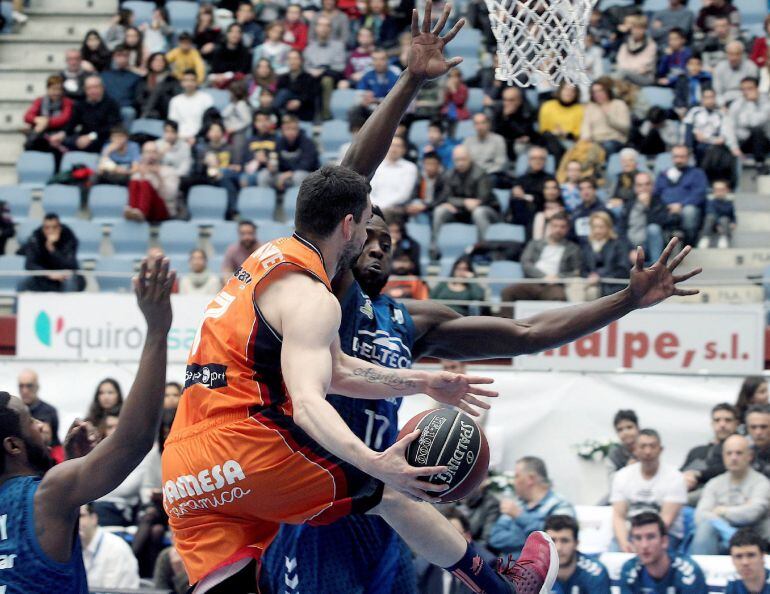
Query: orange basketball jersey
column 234, row 366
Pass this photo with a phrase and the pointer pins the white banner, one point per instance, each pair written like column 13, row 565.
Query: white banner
column 668, row 338
column 98, row 327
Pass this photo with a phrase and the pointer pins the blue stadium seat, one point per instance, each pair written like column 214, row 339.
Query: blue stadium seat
column 469, row 67
column 107, row 202
column 182, row 15
column 418, row 133
column 223, row 233
column 290, row 203
column 89, row 236
column 464, row 129
column 506, row 232
column 334, row 134
column 177, row 238
column 522, row 163
column 467, row 44
column 503, row 269
column 659, row 96
column 147, row 126
column 663, row 161
column 130, row 239
column 503, row 197
column 179, row 262
column 341, row 102
column 62, row 200
column 79, row 158
column 475, row 102
column 18, row 199
column 269, row 230
column 34, row 168
column 256, row 203
column 220, row 97
column 421, row 233
column 10, row 264
column 454, row 238
column 751, row 11
column 207, row 203
column 142, row 11
column 122, row 269
column 25, row 229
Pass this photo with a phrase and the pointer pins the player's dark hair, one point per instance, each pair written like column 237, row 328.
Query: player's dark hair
column 96, row 412
column 650, row 433
column 327, row 196
column 377, row 212
column 746, row 393
column 625, row 415
column 561, row 522
column 725, row 406
column 647, row 518
column 457, row 514
column 10, row 423
column 746, row 537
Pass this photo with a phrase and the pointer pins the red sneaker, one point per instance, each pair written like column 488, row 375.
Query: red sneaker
column 536, row 568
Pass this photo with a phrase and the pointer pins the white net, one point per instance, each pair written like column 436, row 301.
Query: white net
column 540, row 39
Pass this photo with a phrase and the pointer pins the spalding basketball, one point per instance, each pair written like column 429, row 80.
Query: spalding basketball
column 453, row 439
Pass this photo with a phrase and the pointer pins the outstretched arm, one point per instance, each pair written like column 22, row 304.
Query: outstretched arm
column 426, row 61
column 445, row 334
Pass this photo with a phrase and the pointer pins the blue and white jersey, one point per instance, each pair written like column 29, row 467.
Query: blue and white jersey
column 735, row 586
column 590, row 577
column 683, row 577
column 380, row 331
column 24, row 567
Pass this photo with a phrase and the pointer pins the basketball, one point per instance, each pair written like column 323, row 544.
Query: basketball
column 449, row 438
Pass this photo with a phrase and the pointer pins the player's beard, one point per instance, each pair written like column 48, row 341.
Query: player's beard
column 38, row 457
column 349, row 255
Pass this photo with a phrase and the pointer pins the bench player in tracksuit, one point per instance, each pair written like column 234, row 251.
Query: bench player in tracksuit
column 578, row 573
column 654, row 570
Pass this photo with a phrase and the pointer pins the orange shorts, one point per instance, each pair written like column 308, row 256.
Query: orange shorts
column 228, row 483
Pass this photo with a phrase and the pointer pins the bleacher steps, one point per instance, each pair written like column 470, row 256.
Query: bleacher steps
column 46, row 51
column 87, row 7
column 43, row 23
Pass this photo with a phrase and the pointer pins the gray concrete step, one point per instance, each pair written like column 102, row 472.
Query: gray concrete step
column 753, row 221
column 12, row 114
column 43, row 23
column 752, row 201
column 23, row 50
column 75, row 6
column 22, row 88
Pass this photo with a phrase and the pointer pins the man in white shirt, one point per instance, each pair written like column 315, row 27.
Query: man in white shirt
column 646, row 486
column 394, row 181
column 488, row 150
column 108, row 559
column 747, row 126
column 187, row 108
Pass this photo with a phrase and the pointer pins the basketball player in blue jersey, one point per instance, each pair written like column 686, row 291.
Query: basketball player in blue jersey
column 578, row 574
column 40, row 549
column 747, row 551
column 654, row 570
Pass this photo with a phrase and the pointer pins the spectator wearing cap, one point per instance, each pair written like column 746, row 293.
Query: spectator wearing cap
column 325, row 62
column 47, row 118
column 185, row 57
column 236, row 253
column 187, row 108
column 677, row 15
column 748, row 124
column 118, row 158
column 92, row 119
column 120, row 83
column 514, row 119
column 52, row 247
column 74, row 75
column 488, row 150
column 729, row 74
column 683, row 188
column 535, row 502
column 636, row 57
column 296, row 89
column 607, row 120
column 395, row 179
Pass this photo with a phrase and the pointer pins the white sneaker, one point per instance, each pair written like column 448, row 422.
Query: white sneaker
column 723, row 242
column 19, row 17
column 704, row 243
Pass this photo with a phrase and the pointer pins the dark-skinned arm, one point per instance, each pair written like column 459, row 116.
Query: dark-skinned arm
column 426, row 61
column 444, row 333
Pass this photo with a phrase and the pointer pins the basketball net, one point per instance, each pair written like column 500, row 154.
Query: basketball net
column 540, row 39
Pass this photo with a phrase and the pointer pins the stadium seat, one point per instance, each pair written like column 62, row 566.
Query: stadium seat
column 522, row 163
column 73, row 158
column 334, row 134
column 130, row 240
column 454, row 238
column 89, row 236
column 142, row 11
column 114, row 274
column 290, row 203
column 62, row 200
column 25, row 229
column 505, row 232
column 659, row 96
column 467, row 44
column 223, row 233
column 11, row 264
column 503, row 197
column 506, row 272
column 421, row 233
column 269, row 230
column 207, row 203
column 464, row 129
column 341, row 102
column 182, row 15
column 256, row 203
column 107, row 202
column 220, row 97
column 34, row 169
column 475, row 102
column 147, row 126
column 662, row 162
column 177, row 238
column 18, row 200
column 469, row 67
column 751, row 11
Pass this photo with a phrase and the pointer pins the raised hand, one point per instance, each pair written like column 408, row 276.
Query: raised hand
column 81, row 438
column 153, row 287
column 460, row 391
column 426, row 56
column 652, row 285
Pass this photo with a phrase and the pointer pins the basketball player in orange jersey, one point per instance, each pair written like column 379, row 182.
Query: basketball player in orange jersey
column 256, row 444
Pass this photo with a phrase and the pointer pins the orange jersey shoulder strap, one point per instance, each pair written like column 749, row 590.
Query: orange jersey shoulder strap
column 293, row 250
